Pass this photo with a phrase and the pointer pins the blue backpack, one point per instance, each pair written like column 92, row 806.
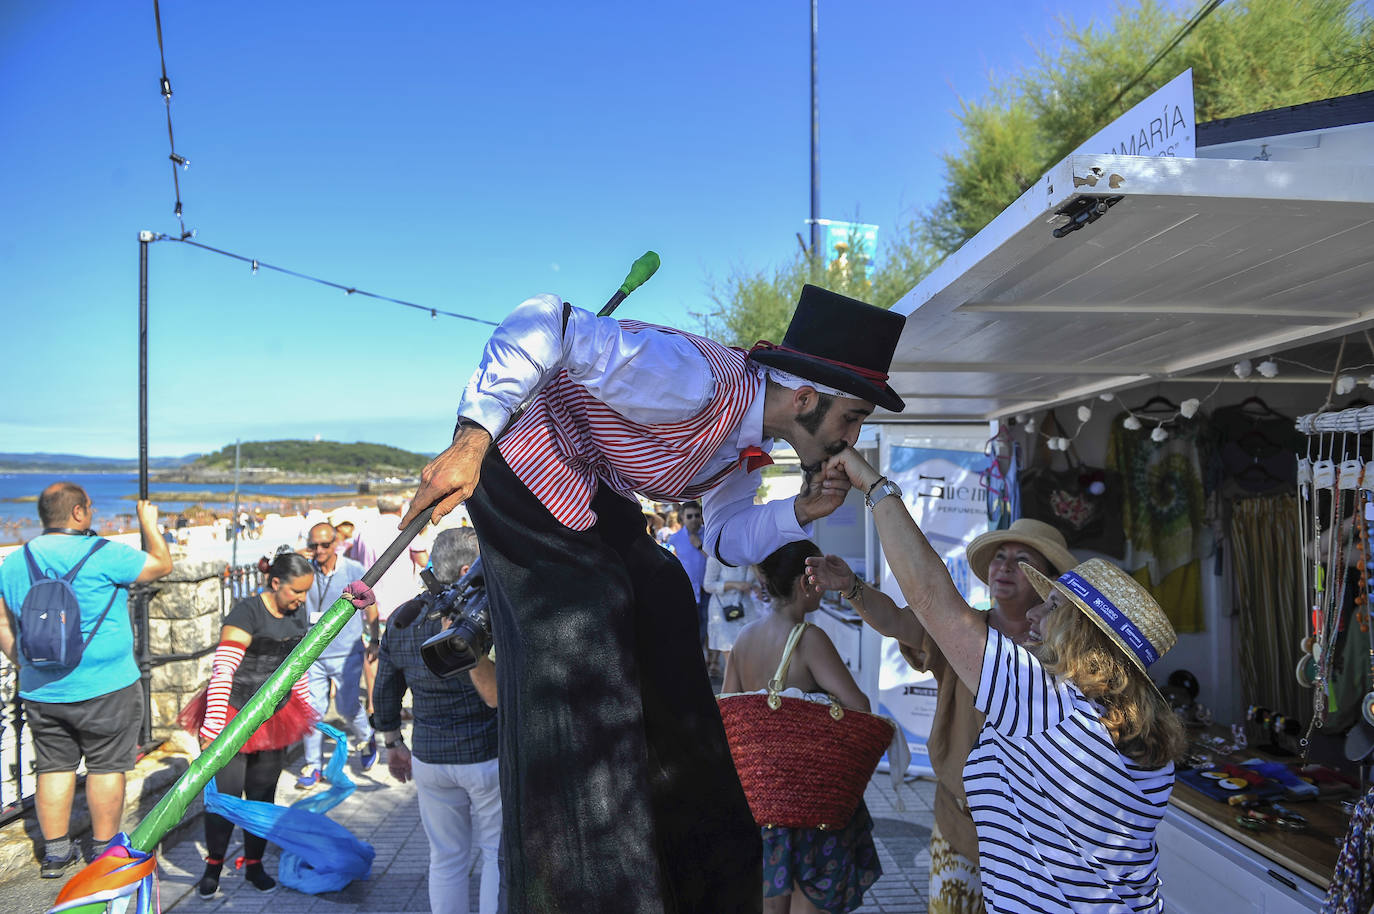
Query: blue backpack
column 50, row 618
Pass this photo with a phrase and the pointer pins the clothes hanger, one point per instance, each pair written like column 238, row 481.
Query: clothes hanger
column 1261, row 409
column 1256, row 443
column 1258, row 472
column 1156, row 404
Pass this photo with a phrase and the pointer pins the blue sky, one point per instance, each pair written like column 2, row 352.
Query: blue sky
column 461, row 156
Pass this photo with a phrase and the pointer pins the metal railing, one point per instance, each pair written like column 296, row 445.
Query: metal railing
column 239, row 582
column 16, row 749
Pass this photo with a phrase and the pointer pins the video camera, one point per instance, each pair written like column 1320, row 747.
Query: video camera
column 457, row 648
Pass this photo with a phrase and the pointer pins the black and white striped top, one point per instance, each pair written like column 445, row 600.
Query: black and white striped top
column 1065, row 822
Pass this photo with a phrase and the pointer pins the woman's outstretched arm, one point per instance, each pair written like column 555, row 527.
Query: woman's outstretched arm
column 921, row 573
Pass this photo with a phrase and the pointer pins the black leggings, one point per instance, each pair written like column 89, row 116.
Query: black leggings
column 253, row 776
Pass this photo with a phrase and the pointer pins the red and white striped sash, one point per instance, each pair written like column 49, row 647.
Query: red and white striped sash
column 567, row 441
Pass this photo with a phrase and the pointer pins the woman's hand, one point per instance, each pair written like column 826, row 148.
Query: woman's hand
column 861, row 474
column 829, row 572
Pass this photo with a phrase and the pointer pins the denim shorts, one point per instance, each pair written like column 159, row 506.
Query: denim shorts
column 103, row 729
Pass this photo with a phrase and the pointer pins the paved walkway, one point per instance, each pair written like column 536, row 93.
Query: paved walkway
column 386, row 814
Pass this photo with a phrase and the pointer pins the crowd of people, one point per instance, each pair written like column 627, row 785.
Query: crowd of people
column 585, row 758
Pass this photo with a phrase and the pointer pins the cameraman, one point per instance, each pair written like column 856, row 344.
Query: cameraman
column 454, row 758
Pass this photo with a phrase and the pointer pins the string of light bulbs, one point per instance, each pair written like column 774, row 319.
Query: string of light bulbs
column 257, row 264
column 1132, row 421
column 1343, row 381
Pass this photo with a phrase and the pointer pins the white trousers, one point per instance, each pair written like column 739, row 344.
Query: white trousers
column 460, row 807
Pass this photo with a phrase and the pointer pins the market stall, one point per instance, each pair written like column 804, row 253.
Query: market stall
column 1138, row 337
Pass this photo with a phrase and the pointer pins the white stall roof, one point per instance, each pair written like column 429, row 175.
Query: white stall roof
column 1197, row 263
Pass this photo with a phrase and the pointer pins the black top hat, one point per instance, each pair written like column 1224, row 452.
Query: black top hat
column 840, row 342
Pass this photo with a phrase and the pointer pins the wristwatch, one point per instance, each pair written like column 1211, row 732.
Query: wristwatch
column 881, row 489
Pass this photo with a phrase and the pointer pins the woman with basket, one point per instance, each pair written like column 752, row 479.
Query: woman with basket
column 828, row 866
column 996, row 558
column 1074, row 764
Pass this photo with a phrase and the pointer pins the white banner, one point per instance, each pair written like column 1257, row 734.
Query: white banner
column 1162, row 125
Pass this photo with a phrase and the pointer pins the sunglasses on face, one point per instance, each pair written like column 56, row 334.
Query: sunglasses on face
column 322, row 545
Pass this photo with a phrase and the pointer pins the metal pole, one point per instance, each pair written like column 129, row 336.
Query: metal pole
column 817, row 255
column 234, row 518
column 144, row 238
column 140, row 594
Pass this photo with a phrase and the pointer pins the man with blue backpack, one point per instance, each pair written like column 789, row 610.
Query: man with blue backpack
column 64, row 621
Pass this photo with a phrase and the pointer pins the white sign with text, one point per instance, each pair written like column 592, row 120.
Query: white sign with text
column 1162, row 125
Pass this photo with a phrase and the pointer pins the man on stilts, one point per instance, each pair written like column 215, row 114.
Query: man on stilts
column 617, row 783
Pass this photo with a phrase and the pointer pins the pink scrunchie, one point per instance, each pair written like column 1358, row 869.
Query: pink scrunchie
column 360, row 595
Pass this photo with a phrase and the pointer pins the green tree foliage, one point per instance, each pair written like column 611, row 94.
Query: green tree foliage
column 291, row 456
column 1246, row 56
column 753, row 306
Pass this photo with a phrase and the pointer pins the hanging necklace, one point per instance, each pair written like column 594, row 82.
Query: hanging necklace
column 1331, row 591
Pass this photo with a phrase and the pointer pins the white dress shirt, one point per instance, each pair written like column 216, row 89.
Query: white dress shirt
column 647, row 376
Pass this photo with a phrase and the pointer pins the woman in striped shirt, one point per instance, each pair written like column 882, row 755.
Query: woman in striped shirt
column 1074, row 765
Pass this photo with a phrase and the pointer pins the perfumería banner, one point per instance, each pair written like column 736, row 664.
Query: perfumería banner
column 944, row 491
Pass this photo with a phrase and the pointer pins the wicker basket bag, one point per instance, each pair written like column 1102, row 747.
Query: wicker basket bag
column 803, row 764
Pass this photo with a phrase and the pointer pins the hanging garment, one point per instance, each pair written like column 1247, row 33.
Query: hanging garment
column 1164, row 515
column 1352, row 882
column 1267, row 555
column 1255, row 450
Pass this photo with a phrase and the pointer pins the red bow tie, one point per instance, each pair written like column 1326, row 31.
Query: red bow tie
column 753, row 457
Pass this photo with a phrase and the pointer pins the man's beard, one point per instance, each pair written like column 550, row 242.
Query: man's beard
column 810, row 423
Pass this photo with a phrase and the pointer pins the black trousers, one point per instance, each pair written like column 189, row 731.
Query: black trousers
column 618, row 791
column 253, row 776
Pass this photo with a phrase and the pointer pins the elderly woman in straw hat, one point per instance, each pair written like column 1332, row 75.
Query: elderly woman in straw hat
column 996, row 558
column 1073, row 766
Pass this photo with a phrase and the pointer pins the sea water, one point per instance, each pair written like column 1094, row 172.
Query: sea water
column 19, row 519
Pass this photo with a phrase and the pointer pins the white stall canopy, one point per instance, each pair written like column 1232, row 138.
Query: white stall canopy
column 1179, row 265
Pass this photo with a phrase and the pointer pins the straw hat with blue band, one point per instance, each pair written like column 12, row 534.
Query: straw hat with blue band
column 1118, row 604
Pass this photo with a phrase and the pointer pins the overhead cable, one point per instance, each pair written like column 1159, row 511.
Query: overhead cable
column 165, row 85
column 346, row 289
column 1184, row 31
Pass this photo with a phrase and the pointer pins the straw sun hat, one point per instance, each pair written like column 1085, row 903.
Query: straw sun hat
column 1037, row 534
column 1119, row 606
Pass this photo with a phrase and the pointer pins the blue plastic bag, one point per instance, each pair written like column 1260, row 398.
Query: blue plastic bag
column 318, row 854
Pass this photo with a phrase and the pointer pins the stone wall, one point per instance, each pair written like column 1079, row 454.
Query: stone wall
column 183, row 619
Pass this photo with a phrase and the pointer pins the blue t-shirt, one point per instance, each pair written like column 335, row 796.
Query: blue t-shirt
column 693, row 559
column 324, row 590
column 107, row 664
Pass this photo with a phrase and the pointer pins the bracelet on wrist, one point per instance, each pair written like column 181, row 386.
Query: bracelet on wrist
column 856, row 590
column 877, row 482
column 395, row 743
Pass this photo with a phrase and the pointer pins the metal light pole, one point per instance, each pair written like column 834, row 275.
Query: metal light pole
column 817, row 254
column 234, row 518
column 144, row 239
column 142, row 593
